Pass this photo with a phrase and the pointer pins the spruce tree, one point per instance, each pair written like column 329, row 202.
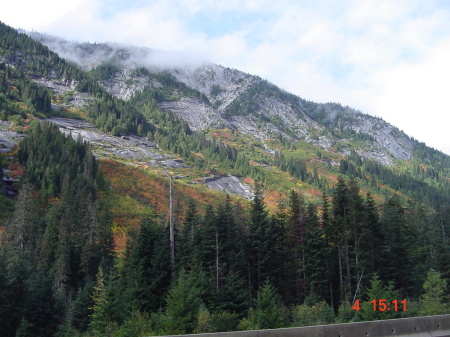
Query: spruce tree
column 184, row 300
column 147, row 268
column 296, row 234
column 434, row 301
column 332, row 263
column 372, row 237
column 282, row 275
column 316, row 253
column 376, row 292
column 260, row 238
column 206, row 253
column 187, row 238
column 103, row 310
column 397, row 265
column 267, row 312
column 339, row 233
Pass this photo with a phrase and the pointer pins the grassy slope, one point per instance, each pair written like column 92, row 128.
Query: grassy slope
column 134, row 191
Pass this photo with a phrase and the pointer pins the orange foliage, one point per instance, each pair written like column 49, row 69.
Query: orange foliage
column 221, row 134
column 312, row 192
column 331, row 177
column 54, row 201
column 142, row 190
column 120, row 242
column 272, row 199
column 17, row 170
column 249, row 181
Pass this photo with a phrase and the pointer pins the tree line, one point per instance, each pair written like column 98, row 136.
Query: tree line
column 141, row 116
column 235, row 266
column 56, row 239
column 15, row 89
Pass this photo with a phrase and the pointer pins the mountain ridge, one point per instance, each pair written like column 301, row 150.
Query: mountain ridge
column 225, row 90
column 255, row 126
column 120, row 225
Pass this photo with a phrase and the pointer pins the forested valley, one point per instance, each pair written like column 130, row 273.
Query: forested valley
column 324, row 235
column 234, row 267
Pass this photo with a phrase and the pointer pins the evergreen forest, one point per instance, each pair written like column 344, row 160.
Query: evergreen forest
column 233, row 267
column 90, row 247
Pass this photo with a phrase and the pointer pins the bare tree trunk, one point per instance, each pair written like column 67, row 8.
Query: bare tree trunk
column 341, row 280
column 172, row 236
column 331, row 293
column 347, row 268
column 217, row 262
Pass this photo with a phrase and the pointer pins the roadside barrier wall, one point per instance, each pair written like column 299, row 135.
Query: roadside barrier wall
column 430, row 326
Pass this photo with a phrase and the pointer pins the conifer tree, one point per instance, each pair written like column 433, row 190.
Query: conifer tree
column 372, row 237
column 296, row 242
column 1, row 173
column 184, row 300
column 282, row 275
column 434, row 301
column 332, row 263
column 356, row 243
column 62, row 265
column 441, row 219
column 22, row 233
column 268, row 312
column 316, row 253
column 42, row 306
column 106, row 310
column 339, row 233
column 397, row 263
column 206, row 242
column 260, row 241
column 230, row 260
column 147, row 269
column 376, row 292
column 12, row 284
column 187, row 238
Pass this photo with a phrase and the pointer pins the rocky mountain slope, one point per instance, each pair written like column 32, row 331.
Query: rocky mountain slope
column 220, row 97
column 209, row 123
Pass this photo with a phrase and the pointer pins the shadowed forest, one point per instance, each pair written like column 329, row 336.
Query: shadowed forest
column 235, row 267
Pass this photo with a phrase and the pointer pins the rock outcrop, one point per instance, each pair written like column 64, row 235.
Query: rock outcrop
column 267, row 112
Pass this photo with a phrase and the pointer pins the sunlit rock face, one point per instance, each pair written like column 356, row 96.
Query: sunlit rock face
column 230, row 99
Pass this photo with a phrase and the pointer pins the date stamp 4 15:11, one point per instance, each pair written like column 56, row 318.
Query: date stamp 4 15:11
column 383, row 305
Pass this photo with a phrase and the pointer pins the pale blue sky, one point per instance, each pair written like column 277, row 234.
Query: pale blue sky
column 388, row 58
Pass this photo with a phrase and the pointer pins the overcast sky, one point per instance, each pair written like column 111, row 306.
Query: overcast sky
column 389, row 58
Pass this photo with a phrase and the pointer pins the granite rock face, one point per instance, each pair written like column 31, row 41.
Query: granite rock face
column 271, row 113
column 8, row 138
column 273, row 116
column 131, row 147
column 141, row 151
column 231, row 185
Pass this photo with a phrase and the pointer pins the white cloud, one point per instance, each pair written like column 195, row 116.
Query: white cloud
column 31, row 14
column 415, row 97
column 363, row 13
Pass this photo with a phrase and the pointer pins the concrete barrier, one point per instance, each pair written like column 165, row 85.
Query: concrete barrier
column 430, row 326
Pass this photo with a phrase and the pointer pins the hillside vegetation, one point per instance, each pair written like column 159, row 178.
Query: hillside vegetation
column 86, row 246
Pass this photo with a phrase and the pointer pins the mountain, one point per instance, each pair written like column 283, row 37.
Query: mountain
column 220, row 97
column 132, row 90
column 114, row 220
column 211, row 97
